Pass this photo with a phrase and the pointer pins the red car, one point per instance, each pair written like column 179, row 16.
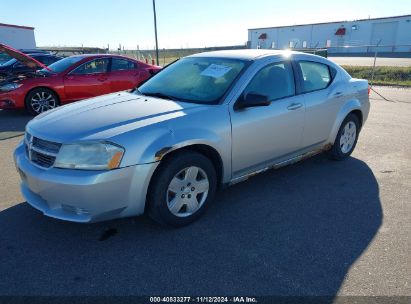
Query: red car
column 70, row 79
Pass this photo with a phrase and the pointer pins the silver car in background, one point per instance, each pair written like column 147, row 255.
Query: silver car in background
column 205, row 121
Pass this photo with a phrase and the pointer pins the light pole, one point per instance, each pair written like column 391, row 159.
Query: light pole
column 155, row 28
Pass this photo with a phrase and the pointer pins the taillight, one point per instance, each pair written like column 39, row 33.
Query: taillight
column 369, row 90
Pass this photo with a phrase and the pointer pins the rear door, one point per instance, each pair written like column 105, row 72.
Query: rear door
column 124, row 74
column 88, row 80
column 322, row 100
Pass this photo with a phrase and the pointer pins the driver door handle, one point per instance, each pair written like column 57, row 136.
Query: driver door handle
column 294, row 106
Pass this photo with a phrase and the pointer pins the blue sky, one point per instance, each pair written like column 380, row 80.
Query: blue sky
column 181, row 23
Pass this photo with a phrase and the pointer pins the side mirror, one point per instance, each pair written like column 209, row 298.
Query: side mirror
column 252, row 100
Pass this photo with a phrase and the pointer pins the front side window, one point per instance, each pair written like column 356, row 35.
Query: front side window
column 316, row 75
column 92, row 67
column 122, row 65
column 274, row 81
column 195, row 79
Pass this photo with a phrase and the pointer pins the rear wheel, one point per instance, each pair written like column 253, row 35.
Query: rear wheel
column 41, row 100
column 346, row 139
column 181, row 189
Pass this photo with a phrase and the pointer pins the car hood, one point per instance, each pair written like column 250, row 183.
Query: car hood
column 106, row 116
column 27, row 60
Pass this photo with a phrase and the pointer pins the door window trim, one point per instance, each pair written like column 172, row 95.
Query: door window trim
column 299, row 74
column 110, row 67
column 291, row 68
column 72, row 72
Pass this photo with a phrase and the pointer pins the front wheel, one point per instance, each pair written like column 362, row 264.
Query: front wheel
column 181, row 189
column 41, row 100
column 346, row 139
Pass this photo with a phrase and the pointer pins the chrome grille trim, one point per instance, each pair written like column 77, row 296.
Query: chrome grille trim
column 40, row 152
column 44, row 145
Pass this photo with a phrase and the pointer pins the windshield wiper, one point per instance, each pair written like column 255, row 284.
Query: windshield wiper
column 159, row 95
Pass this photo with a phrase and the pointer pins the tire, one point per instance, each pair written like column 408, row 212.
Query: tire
column 346, row 139
column 173, row 198
column 40, row 100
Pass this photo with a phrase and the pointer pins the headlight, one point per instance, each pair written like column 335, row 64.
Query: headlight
column 89, row 156
column 10, row 86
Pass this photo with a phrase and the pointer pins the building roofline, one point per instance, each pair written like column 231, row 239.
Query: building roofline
column 331, row 22
column 17, row 26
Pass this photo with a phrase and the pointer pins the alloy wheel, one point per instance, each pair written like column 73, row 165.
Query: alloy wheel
column 187, row 191
column 348, row 137
column 43, row 101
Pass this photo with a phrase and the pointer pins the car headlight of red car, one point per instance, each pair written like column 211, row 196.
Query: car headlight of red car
column 10, row 86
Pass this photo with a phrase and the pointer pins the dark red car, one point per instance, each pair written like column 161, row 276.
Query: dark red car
column 70, row 79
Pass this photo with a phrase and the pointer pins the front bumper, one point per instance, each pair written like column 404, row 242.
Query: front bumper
column 11, row 100
column 84, row 196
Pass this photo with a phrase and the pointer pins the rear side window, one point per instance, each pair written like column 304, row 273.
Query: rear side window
column 274, row 81
column 122, row 65
column 92, row 67
column 316, row 76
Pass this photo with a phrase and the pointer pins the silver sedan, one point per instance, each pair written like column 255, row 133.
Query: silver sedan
column 206, row 121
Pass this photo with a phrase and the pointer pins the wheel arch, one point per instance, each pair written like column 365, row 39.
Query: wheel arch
column 352, row 106
column 206, row 150
column 41, row 87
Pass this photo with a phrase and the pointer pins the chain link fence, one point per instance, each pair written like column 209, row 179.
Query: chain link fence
column 381, row 65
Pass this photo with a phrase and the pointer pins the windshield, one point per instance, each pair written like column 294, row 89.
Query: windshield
column 63, row 64
column 194, row 79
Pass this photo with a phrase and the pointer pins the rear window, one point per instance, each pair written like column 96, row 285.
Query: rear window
column 119, row 64
column 316, row 75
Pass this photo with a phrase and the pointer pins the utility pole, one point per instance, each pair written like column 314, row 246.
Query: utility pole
column 155, row 28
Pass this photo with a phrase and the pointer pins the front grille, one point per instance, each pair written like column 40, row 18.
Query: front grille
column 45, row 145
column 41, row 159
column 41, row 152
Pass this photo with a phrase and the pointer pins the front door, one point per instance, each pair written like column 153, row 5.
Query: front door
column 262, row 135
column 88, row 80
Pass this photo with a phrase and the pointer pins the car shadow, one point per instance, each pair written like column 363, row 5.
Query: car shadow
column 294, row 231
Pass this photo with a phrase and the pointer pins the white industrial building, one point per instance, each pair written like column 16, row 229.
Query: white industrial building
column 18, row 37
column 391, row 34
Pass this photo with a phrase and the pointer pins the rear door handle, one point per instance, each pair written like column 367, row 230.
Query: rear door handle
column 338, row 94
column 294, row 106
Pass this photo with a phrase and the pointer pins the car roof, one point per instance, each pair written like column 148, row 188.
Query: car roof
column 41, row 54
column 245, row 54
column 100, row 55
column 253, row 54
